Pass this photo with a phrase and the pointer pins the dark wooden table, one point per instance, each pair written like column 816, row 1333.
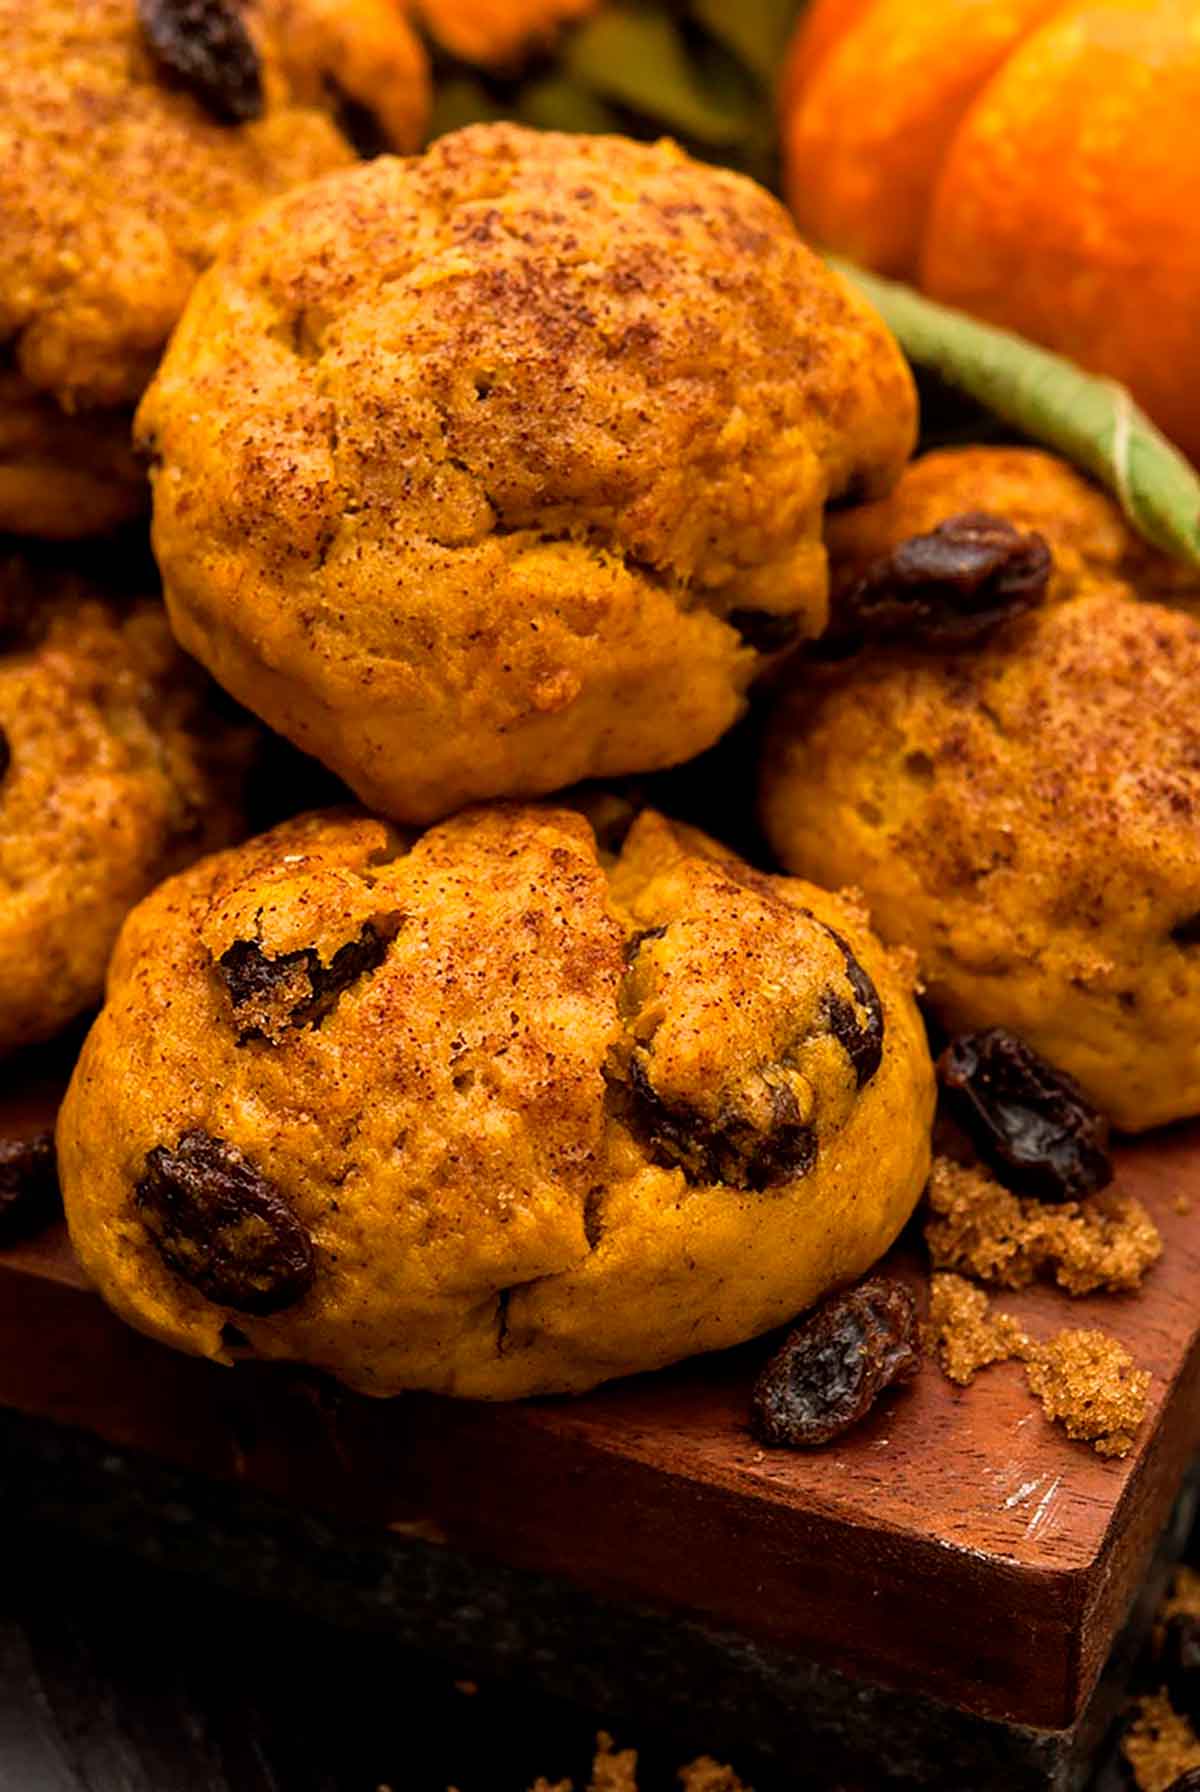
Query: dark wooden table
column 115, row 1678
column 619, row 1550
column 118, row 1678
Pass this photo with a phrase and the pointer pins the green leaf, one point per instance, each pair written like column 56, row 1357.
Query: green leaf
column 459, row 102
column 638, row 60
column 556, row 103
column 1091, row 421
column 757, row 31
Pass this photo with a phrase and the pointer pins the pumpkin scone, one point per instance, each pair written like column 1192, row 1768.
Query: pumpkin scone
column 133, row 134
column 1024, row 814
column 1083, row 527
column 115, row 771
column 64, row 475
column 485, row 472
column 486, row 1111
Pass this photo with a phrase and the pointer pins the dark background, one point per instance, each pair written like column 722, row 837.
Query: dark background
column 116, row 1677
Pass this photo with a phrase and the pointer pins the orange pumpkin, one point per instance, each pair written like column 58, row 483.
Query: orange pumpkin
column 1035, row 162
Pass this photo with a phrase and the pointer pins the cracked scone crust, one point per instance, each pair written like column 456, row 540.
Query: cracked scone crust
column 1027, row 817
column 117, row 187
column 1090, row 540
column 524, row 1119
column 486, row 472
column 114, row 773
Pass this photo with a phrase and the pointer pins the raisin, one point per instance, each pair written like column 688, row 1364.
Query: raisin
column 1180, row 1664
column 728, row 1149
column 5, row 754
column 1186, row 1782
column 1187, row 933
column 220, row 1225
column 949, row 588
column 862, row 1041
column 296, row 983
column 205, row 46
column 827, row 1375
column 29, row 1195
column 1033, row 1124
column 764, row 630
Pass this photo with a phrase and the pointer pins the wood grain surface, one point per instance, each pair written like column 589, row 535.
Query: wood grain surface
column 956, row 1545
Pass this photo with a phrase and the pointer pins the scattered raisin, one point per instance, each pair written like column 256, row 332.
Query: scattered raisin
column 831, row 1369
column 1187, row 933
column 1032, row 1124
column 764, row 630
column 949, row 588
column 221, row 1225
column 206, row 47
column 862, row 1041
column 295, row 989
column 29, row 1195
column 1180, row 1664
column 729, row 1149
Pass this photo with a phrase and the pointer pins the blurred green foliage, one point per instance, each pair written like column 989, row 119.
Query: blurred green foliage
column 701, row 71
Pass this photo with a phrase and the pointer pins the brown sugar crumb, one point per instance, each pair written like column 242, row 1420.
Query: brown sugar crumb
column 1183, row 1601
column 1159, row 1745
column 610, row 1772
column 964, row 1334
column 618, row 1773
column 1087, row 1382
column 707, row 1775
column 979, row 1228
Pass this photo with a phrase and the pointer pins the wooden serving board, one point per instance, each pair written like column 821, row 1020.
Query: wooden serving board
column 956, row 1547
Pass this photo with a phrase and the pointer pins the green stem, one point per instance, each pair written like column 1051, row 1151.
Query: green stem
column 1089, row 420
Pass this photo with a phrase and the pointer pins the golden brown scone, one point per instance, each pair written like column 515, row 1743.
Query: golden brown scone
column 1026, row 816
column 119, row 180
column 64, row 475
column 485, row 1112
column 114, row 772
column 479, row 474
column 1083, row 527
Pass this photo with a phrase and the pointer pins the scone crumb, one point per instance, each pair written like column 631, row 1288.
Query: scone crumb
column 964, row 1334
column 1159, row 1745
column 979, row 1228
column 1182, row 1205
column 1087, row 1382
